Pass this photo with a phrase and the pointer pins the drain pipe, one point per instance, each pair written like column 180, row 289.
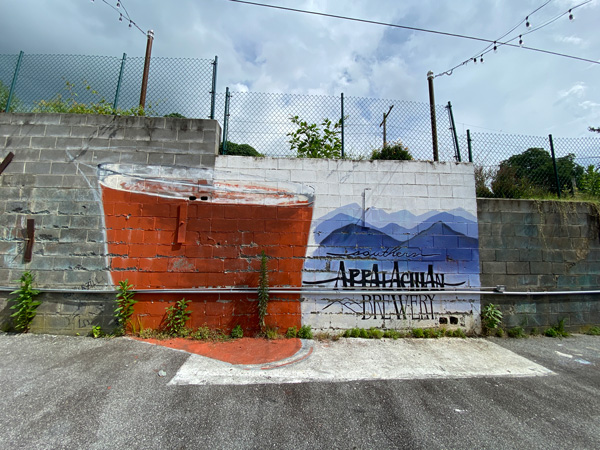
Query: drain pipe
column 496, row 291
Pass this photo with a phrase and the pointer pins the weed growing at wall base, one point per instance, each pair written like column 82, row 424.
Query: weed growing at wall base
column 263, row 291
column 557, row 330
column 177, row 317
column 492, row 316
column 24, row 304
column 124, row 309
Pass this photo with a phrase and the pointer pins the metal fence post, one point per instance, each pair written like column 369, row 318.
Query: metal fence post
column 469, row 146
column 454, row 135
column 434, row 139
column 213, row 92
column 554, row 164
column 149, row 41
column 118, row 91
column 342, row 120
column 225, row 122
column 13, row 85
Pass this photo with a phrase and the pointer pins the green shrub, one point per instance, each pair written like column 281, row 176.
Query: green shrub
column 516, row 332
column 534, row 331
column 499, row 332
column 557, row 330
column 375, row 333
column 593, row 331
column 305, row 332
column 418, row 333
column 69, row 104
column 292, row 332
column 396, row 151
column 175, row 115
column 590, row 181
column 237, row 332
column 392, row 334
column 271, row 333
column 459, row 333
column 240, row 150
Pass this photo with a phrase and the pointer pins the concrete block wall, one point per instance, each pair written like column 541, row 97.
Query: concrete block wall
column 53, row 179
column 532, row 245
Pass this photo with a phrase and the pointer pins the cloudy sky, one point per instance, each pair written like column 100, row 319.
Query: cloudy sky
column 268, row 50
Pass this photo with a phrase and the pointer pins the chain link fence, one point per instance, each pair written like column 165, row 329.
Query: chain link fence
column 175, row 85
column 263, row 121
column 517, row 166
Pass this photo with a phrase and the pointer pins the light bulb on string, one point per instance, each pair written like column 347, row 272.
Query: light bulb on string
column 118, row 4
column 495, row 47
column 475, row 60
column 130, row 24
column 570, row 15
column 527, row 24
column 120, row 17
column 521, row 40
column 481, row 59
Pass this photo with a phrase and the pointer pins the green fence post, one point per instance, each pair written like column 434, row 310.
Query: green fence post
column 13, row 85
column 118, row 91
column 469, row 146
column 458, row 158
column 225, row 122
column 213, row 92
column 554, row 164
column 342, row 125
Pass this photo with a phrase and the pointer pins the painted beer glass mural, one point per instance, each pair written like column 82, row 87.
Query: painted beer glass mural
column 184, row 228
column 374, row 251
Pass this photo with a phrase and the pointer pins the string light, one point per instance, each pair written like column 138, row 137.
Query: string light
column 497, row 43
column 124, row 14
column 481, row 60
column 527, row 24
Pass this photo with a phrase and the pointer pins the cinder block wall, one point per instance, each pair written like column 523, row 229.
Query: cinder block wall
column 53, row 180
column 532, row 245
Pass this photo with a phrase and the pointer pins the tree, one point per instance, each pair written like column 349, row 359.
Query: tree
column 531, row 173
column 595, row 130
column 310, row 141
column 15, row 103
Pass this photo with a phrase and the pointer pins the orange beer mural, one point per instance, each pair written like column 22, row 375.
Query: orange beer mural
column 187, row 228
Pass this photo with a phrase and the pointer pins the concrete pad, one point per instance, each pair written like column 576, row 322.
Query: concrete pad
column 362, row 359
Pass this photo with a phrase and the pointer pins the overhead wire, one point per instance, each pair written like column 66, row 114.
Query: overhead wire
column 424, row 30
column 513, row 28
column 498, row 43
column 127, row 16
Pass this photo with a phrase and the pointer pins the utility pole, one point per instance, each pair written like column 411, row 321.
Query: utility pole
column 383, row 123
column 146, row 68
column 433, row 119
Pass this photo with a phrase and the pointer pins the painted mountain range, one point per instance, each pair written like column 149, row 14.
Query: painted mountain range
column 377, row 235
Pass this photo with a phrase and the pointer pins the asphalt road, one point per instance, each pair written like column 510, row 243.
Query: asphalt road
column 68, row 392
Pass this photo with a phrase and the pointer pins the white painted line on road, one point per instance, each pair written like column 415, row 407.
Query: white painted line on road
column 361, row 359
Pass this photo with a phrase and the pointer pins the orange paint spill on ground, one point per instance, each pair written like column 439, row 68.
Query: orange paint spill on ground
column 236, row 351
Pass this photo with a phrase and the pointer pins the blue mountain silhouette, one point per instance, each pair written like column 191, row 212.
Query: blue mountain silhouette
column 438, row 241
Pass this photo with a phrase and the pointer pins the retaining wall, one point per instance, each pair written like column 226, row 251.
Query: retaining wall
column 531, row 245
column 323, row 225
